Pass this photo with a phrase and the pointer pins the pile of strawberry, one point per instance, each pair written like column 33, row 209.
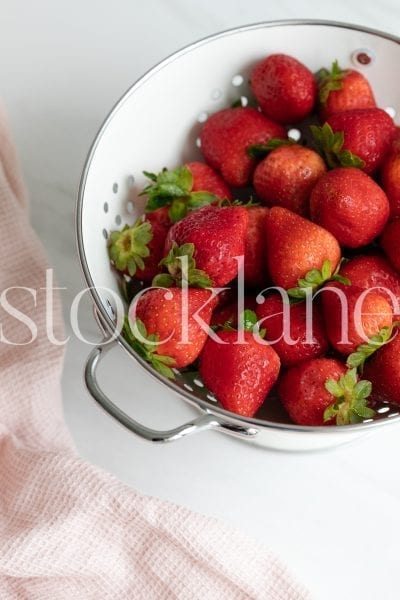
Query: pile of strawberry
column 322, row 217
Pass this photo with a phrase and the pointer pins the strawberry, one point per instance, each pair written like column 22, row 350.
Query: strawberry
column 356, row 138
column 158, row 318
column 284, row 88
column 383, row 370
column 390, row 243
column 255, row 267
column 373, row 270
column 340, row 90
column 205, row 178
column 321, row 392
column 295, row 246
column 226, row 136
column 390, row 177
column 287, row 175
column 160, row 224
column 349, row 204
column 239, row 374
column 271, row 316
column 218, row 235
column 345, row 324
column 185, row 188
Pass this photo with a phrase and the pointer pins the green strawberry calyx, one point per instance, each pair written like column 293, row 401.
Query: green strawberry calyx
column 330, row 146
column 315, row 279
column 146, row 346
column 363, row 352
column 181, row 267
column 127, row 248
column 351, row 399
column 261, row 150
column 248, row 322
column 329, row 81
column 173, row 188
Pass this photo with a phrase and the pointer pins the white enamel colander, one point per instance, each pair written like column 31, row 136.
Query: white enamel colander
column 156, row 124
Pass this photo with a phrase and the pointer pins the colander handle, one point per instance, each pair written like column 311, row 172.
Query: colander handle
column 202, row 423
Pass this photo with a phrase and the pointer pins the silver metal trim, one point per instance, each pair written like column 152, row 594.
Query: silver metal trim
column 206, row 421
column 105, row 319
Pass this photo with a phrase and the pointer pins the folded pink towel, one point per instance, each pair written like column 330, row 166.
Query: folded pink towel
column 67, row 529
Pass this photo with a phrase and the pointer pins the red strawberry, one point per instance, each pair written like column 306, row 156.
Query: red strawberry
column 344, row 324
column 272, row 314
column 284, row 88
column 295, row 246
column 286, row 177
column 349, row 204
column 395, row 147
column 390, row 242
column 390, row 176
column 160, row 224
column 184, row 189
column 218, row 235
column 373, row 270
column 255, row 267
column 356, row 138
column 340, row 90
column 160, row 311
column 383, row 370
column 227, row 135
column 320, row 391
column 239, row 374
column 206, row 179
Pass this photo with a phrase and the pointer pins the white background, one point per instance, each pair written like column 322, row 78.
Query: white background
column 332, row 516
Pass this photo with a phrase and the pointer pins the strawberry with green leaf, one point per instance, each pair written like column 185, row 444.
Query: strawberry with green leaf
column 183, row 189
column 163, row 310
column 351, row 399
column 239, row 374
column 321, row 391
column 358, row 138
column 218, row 235
column 351, row 205
column 315, row 279
column 342, row 89
column 181, row 267
column 357, row 359
column 296, row 246
column 146, row 345
column 353, row 316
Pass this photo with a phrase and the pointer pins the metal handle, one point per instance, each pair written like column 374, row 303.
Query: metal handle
column 202, row 423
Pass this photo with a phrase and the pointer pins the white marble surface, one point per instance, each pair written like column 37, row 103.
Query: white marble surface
column 333, row 516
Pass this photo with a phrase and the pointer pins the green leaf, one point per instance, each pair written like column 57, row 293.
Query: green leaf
column 178, row 210
column 261, row 150
column 334, row 388
column 128, row 247
column 329, row 81
column 147, row 349
column 312, row 281
column 163, row 280
column 181, row 268
column 364, row 351
column 247, row 320
column 199, row 199
column 330, row 146
column 166, row 186
column 351, row 399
